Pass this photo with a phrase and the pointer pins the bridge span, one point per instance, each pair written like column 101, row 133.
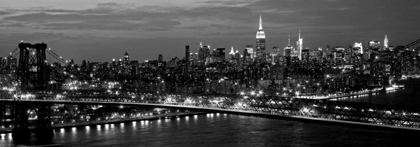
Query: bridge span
column 288, row 108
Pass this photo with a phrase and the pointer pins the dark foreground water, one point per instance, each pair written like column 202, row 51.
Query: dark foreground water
column 226, row 130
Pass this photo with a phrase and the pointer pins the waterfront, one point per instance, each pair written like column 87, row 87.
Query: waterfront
column 217, row 129
column 407, row 97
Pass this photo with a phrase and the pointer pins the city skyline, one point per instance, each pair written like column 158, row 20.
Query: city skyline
column 146, row 30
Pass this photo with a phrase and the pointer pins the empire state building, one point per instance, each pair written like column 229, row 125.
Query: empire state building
column 260, row 40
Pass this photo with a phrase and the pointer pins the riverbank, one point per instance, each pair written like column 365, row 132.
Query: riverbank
column 155, row 117
column 352, row 94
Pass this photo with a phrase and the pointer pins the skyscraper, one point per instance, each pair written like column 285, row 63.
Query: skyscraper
column 250, row 51
column 358, row 47
column 126, row 57
column 299, row 46
column 160, row 58
column 288, row 49
column 187, row 52
column 260, row 46
column 220, row 54
column 232, row 53
column 386, row 42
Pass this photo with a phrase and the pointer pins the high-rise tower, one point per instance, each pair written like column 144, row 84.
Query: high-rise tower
column 260, row 46
column 187, row 52
column 232, row 52
column 288, row 49
column 126, row 57
column 386, row 42
column 299, row 46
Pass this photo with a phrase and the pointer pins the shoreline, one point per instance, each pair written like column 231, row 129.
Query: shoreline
column 157, row 117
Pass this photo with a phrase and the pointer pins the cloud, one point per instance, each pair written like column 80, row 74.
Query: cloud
column 233, row 34
column 275, row 11
column 11, row 24
column 230, row 3
column 115, row 16
column 331, row 1
column 4, row 12
column 342, row 9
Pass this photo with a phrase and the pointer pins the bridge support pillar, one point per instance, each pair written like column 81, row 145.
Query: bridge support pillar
column 44, row 130
column 20, row 132
column 2, row 114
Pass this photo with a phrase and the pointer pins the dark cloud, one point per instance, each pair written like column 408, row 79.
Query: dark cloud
column 230, row 2
column 233, row 34
column 91, row 25
column 155, row 25
column 4, row 12
column 11, row 24
column 197, row 27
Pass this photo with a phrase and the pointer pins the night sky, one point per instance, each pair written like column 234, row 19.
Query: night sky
column 98, row 30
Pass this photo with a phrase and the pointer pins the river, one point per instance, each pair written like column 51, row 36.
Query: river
column 407, row 97
column 218, row 129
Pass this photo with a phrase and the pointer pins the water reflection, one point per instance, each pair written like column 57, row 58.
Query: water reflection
column 87, row 128
column 223, row 129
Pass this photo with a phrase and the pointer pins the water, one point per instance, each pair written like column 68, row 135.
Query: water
column 218, row 129
column 407, row 97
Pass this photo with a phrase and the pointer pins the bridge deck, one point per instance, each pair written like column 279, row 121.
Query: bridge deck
column 218, row 110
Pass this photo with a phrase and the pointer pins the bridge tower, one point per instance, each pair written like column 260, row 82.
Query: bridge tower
column 33, row 78
column 32, row 68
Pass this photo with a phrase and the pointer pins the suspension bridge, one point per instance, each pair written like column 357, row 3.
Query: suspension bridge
column 28, row 86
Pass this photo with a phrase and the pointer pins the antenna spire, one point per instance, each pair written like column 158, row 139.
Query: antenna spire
column 299, row 33
column 260, row 28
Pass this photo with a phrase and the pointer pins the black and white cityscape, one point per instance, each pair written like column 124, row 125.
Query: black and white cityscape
column 192, row 73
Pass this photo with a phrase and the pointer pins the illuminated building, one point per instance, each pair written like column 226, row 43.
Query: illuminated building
column 386, row 42
column 246, row 56
column 232, row 53
column 260, row 46
column 250, row 51
column 275, row 54
column 288, row 49
column 237, row 57
column 374, row 45
column 305, row 54
column 220, row 54
column 358, row 47
column 275, row 51
column 203, row 52
column 299, row 47
column 126, row 57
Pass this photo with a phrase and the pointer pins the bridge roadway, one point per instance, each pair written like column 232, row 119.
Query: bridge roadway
column 306, row 114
